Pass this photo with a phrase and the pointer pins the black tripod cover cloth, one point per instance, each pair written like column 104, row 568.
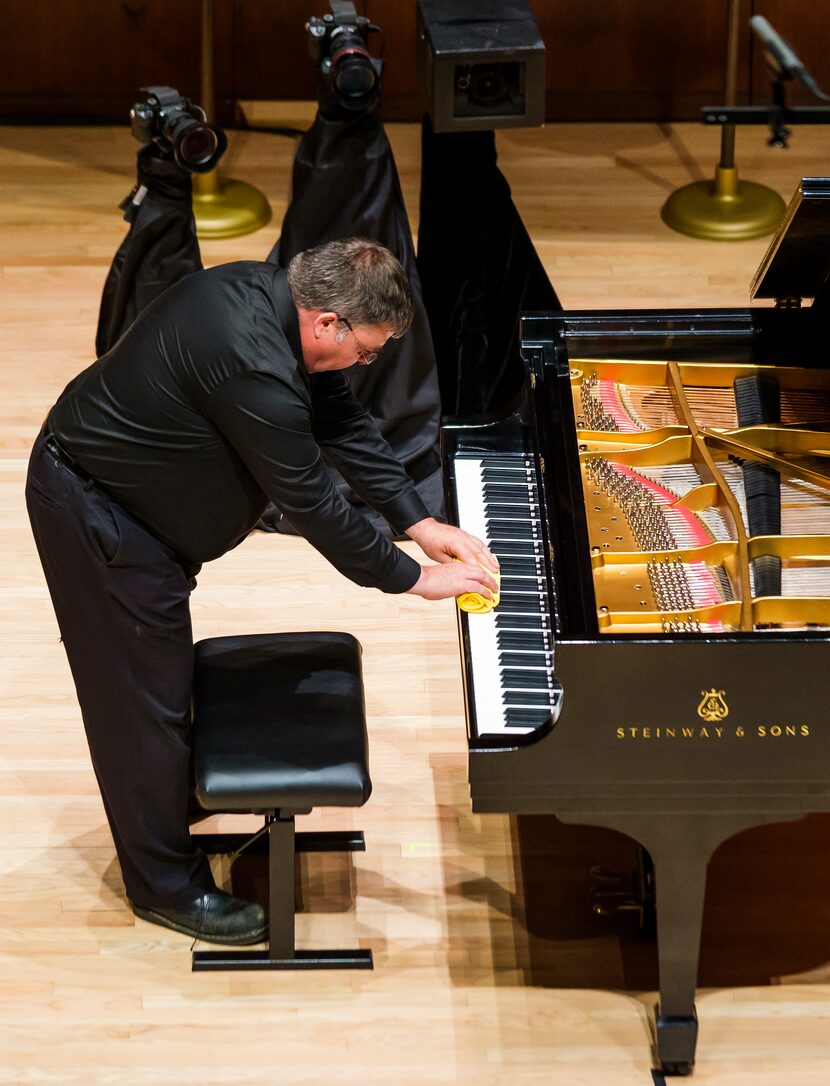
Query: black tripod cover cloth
column 160, row 247
column 345, row 183
column 479, row 272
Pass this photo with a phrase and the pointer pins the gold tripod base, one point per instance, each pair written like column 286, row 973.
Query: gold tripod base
column 225, row 208
column 725, row 209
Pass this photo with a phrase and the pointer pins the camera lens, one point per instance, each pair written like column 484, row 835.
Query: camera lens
column 353, row 74
column 488, row 87
column 198, row 146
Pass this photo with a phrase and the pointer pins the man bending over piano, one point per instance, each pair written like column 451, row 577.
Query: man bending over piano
column 225, row 393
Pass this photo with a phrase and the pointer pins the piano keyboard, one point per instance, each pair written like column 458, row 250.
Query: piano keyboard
column 514, row 691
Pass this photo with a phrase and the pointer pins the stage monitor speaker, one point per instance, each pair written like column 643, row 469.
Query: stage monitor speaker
column 482, row 65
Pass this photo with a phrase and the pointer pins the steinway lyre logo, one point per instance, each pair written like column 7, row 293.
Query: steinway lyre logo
column 713, row 707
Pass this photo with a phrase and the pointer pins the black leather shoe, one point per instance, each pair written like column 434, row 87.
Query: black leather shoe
column 216, row 917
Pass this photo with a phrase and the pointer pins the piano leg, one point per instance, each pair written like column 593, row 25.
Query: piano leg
column 680, row 885
column 680, row 845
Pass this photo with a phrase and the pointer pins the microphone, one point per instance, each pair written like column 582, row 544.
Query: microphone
column 779, row 53
column 781, row 57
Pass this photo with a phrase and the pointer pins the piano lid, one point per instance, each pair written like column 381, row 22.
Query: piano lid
column 797, row 263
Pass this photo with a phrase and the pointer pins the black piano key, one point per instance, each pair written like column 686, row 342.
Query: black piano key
column 523, row 584
column 524, row 563
column 530, row 658
column 519, row 622
column 507, row 492
column 513, row 616
column 513, row 621
column 509, row 477
column 522, row 460
column 523, row 548
column 507, row 464
column 526, row 697
column 528, row 649
column 529, row 679
column 520, row 542
column 504, row 467
column 528, row 640
column 499, row 509
column 525, row 718
column 516, row 603
column 525, row 567
column 513, row 585
column 512, row 529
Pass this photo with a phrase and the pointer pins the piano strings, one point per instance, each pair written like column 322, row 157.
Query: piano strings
column 608, row 406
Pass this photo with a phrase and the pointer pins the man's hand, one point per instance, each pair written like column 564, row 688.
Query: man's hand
column 442, row 543
column 453, row 579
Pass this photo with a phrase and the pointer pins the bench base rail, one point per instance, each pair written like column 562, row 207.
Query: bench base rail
column 282, row 843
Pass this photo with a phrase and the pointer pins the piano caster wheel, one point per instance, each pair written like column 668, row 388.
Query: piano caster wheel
column 680, row 1068
column 676, row 1037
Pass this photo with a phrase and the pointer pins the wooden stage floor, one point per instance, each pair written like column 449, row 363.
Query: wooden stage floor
column 490, row 968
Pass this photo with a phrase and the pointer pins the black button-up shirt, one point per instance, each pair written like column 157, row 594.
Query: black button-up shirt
column 203, row 411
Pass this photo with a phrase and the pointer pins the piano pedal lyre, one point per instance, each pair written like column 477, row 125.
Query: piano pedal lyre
column 627, row 891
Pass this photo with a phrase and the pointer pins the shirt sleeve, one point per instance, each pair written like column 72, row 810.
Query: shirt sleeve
column 268, row 424
column 350, row 440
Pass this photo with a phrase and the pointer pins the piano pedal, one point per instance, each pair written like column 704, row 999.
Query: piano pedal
column 630, row 891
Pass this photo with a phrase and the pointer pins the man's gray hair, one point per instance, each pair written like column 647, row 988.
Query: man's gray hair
column 355, row 278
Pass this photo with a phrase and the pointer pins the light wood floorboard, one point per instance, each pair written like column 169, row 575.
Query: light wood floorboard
column 490, row 969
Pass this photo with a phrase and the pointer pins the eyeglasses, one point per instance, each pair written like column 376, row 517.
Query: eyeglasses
column 365, row 357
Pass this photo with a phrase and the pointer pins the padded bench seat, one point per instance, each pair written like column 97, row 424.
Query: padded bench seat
column 280, row 728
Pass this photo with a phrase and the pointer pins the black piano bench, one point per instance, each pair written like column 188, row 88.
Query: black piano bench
column 279, row 728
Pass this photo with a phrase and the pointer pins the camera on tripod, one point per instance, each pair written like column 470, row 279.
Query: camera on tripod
column 482, row 65
column 176, row 125
column 339, row 44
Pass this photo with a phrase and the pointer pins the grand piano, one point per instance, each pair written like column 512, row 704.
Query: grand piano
column 659, row 500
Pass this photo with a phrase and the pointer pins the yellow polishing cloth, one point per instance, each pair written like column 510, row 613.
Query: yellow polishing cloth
column 474, row 602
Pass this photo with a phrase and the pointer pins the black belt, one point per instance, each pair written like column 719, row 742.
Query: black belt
column 63, row 457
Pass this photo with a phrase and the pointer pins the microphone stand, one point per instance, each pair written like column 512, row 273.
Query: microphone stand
column 222, row 207
column 725, row 209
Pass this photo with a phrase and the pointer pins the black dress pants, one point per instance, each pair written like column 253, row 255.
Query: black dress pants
column 121, row 597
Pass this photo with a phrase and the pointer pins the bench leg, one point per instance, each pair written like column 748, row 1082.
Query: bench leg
column 281, row 890
column 281, row 952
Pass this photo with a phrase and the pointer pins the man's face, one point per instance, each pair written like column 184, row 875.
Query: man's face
column 329, row 344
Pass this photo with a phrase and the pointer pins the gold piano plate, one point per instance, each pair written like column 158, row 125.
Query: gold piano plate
column 792, row 613
column 723, row 618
